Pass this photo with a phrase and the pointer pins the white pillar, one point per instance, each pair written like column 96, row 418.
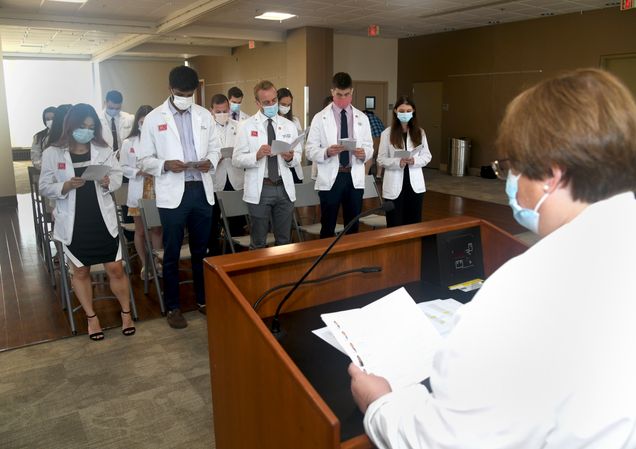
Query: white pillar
column 7, row 177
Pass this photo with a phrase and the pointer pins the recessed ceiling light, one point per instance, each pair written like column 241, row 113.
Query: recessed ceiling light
column 280, row 16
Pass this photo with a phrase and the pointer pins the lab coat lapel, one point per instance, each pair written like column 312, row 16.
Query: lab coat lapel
column 196, row 131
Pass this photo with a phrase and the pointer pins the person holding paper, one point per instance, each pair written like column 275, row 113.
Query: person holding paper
column 178, row 148
column 403, row 178
column 85, row 215
column 543, row 356
column 285, row 104
column 226, row 177
column 141, row 185
column 340, row 172
column 269, row 185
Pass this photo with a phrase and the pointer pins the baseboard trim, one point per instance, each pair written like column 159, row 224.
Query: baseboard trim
column 8, row 201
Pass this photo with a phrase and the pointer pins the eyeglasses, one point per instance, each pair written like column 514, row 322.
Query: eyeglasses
column 501, row 168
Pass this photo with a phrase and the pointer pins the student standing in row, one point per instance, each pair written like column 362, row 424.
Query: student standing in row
column 235, row 96
column 116, row 123
column 269, row 185
column 403, row 178
column 177, row 148
column 141, row 185
column 40, row 138
column 285, row 101
column 85, row 216
column 340, row 173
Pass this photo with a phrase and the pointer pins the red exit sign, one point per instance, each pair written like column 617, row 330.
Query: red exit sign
column 627, row 4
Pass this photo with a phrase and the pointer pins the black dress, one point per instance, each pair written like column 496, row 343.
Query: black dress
column 92, row 243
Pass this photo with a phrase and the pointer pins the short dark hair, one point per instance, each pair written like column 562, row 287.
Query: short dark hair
column 234, row 92
column 218, row 99
column 341, row 80
column 115, row 96
column 183, row 78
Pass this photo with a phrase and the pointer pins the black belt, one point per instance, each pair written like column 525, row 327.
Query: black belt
column 269, row 182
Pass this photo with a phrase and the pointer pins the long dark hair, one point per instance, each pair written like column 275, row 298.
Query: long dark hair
column 141, row 113
column 57, row 126
column 75, row 119
column 282, row 93
column 40, row 137
column 415, row 131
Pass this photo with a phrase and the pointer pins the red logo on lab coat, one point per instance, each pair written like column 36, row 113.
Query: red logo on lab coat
column 61, row 165
column 254, row 133
column 163, row 127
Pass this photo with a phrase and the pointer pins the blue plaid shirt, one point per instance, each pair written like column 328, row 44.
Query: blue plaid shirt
column 376, row 124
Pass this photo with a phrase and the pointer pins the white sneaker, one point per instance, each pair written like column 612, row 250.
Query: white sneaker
column 145, row 275
column 159, row 268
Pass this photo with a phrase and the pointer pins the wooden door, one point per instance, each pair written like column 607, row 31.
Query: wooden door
column 376, row 90
column 428, row 100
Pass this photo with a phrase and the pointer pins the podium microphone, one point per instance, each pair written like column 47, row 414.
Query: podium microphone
column 387, row 206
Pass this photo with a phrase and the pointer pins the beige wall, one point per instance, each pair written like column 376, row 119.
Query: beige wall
column 140, row 81
column 367, row 59
column 484, row 68
column 7, row 177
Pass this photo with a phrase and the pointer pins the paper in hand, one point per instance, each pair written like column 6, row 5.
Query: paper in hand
column 279, row 146
column 95, row 172
column 402, row 154
column 349, row 144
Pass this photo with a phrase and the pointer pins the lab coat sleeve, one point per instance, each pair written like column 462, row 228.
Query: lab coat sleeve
column 149, row 160
column 36, row 152
column 295, row 161
column 424, row 156
column 129, row 169
column 365, row 141
column 384, row 153
column 115, row 175
column 242, row 157
column 214, row 148
column 49, row 185
column 313, row 147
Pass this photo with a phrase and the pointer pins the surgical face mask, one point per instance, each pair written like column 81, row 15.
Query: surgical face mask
column 404, row 117
column 284, row 109
column 182, row 103
column 528, row 218
column 49, row 123
column 342, row 102
column 112, row 112
column 235, row 107
column 221, row 117
column 83, row 135
column 270, row 111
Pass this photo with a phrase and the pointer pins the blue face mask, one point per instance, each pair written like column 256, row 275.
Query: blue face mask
column 83, row 135
column 112, row 112
column 235, row 107
column 270, row 111
column 528, row 218
column 404, row 117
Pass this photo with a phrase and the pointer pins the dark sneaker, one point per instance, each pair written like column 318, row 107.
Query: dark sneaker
column 202, row 309
column 176, row 320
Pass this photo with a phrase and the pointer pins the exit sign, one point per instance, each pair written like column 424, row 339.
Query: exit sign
column 627, row 4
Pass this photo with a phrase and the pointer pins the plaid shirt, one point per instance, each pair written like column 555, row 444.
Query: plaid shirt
column 376, row 124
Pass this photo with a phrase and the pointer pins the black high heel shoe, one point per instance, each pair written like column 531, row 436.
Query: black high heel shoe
column 96, row 336
column 129, row 330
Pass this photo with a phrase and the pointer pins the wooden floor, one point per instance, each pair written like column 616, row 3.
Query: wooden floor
column 31, row 311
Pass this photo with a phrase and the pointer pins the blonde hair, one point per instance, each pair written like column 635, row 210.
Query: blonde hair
column 584, row 123
column 262, row 85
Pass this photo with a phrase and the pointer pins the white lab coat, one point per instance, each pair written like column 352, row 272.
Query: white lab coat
column 129, row 165
column 394, row 174
column 225, row 136
column 123, row 122
column 299, row 129
column 57, row 168
column 543, row 357
column 160, row 142
column 323, row 133
column 252, row 133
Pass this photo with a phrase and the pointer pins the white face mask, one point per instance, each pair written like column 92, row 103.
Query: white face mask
column 182, row 103
column 221, row 117
column 284, row 109
column 49, row 123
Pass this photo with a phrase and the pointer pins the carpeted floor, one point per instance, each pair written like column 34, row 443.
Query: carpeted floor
column 151, row 390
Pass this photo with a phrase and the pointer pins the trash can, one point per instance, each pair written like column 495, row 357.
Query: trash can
column 459, row 156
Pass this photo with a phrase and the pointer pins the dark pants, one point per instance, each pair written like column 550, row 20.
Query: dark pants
column 342, row 192
column 408, row 205
column 237, row 225
column 195, row 213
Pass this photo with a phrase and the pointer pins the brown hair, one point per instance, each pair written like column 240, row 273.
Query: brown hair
column 584, row 123
column 415, row 132
column 75, row 119
column 262, row 85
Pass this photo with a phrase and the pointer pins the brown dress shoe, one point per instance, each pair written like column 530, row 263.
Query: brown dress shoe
column 176, row 320
column 202, row 309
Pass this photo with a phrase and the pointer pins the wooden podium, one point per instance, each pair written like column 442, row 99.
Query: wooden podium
column 261, row 399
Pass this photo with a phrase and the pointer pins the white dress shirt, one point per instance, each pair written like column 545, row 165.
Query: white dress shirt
column 542, row 358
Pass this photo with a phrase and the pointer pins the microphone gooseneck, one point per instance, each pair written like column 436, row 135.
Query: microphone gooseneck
column 386, row 207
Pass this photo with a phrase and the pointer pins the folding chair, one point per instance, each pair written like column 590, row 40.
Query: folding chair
column 307, row 196
column 232, row 205
column 150, row 219
column 371, row 191
column 120, row 196
column 42, row 221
